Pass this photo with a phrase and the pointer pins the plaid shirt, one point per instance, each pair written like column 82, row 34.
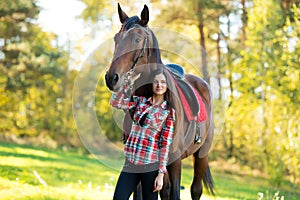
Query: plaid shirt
column 148, row 142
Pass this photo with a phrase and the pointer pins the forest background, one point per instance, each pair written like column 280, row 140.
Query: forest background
column 251, row 58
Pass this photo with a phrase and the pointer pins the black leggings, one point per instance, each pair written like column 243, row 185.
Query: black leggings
column 128, row 181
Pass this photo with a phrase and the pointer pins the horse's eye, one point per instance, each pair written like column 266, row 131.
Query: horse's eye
column 137, row 40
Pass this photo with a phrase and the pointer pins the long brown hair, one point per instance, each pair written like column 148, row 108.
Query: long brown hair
column 174, row 102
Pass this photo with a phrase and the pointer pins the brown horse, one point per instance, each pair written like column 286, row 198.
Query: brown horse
column 137, row 52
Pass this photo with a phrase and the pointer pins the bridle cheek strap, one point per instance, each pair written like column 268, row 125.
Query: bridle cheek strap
column 133, row 67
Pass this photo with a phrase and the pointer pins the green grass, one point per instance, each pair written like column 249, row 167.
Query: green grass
column 73, row 176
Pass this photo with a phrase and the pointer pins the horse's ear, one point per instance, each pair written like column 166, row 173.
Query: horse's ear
column 145, row 16
column 122, row 15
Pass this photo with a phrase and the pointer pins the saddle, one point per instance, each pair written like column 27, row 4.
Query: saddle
column 192, row 102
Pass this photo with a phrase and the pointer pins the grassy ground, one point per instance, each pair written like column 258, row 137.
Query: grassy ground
column 36, row 173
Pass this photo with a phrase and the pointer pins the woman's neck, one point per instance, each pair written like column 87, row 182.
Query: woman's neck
column 158, row 99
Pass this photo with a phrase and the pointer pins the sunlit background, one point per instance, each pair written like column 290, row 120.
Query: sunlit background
column 53, row 56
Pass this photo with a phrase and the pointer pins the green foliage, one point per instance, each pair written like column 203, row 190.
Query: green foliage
column 34, row 81
column 71, row 175
column 261, row 67
column 257, row 73
column 261, row 117
column 91, row 95
column 67, row 175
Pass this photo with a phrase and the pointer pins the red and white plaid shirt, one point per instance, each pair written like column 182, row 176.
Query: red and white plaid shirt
column 150, row 142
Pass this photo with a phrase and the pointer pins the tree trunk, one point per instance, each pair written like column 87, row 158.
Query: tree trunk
column 219, row 66
column 244, row 20
column 202, row 44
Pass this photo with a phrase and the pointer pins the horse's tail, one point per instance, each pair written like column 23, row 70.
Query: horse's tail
column 209, row 182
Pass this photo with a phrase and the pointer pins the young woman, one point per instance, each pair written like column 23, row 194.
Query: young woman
column 147, row 146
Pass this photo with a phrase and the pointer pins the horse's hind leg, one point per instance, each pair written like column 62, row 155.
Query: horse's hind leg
column 200, row 166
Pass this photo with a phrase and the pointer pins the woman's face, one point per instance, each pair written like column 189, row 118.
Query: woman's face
column 159, row 86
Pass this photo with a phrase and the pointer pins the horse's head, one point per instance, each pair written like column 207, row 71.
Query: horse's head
column 135, row 47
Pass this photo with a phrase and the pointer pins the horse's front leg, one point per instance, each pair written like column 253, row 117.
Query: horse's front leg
column 174, row 171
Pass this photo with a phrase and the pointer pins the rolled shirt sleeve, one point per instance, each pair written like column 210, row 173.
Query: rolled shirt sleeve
column 120, row 101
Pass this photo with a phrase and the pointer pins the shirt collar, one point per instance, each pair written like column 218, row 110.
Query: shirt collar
column 163, row 105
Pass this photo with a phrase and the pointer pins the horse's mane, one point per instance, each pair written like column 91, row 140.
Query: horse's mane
column 155, row 48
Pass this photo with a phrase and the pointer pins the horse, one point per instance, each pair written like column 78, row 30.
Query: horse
column 137, row 52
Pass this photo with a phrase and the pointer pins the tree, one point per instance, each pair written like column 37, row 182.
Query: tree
column 197, row 15
column 268, row 101
column 258, row 73
column 32, row 74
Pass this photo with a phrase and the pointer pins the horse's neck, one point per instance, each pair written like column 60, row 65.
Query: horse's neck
column 155, row 53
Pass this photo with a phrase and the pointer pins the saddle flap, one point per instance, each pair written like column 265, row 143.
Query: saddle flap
column 192, row 103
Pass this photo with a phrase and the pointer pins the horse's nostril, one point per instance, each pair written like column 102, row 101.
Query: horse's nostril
column 111, row 80
column 115, row 79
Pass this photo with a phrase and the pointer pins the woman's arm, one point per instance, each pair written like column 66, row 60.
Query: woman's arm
column 166, row 140
column 120, row 101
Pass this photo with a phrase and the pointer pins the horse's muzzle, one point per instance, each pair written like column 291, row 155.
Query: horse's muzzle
column 111, row 80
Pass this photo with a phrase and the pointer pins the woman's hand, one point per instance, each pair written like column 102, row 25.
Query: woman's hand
column 131, row 78
column 130, row 81
column 158, row 183
column 135, row 77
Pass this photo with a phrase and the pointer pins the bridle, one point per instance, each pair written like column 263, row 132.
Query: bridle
column 133, row 67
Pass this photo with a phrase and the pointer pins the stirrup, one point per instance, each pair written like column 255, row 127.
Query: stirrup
column 197, row 139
